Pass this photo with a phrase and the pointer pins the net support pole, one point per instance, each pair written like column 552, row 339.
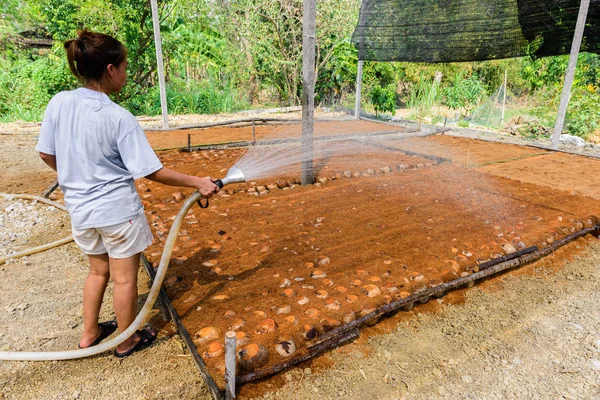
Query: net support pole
column 308, row 88
column 159, row 64
column 566, row 92
column 358, row 89
column 504, row 97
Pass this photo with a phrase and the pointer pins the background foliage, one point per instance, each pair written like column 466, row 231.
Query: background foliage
column 226, row 55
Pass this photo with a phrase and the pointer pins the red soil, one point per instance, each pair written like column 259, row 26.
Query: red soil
column 227, row 134
column 347, row 244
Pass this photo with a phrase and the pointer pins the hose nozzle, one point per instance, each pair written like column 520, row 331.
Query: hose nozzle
column 234, row 175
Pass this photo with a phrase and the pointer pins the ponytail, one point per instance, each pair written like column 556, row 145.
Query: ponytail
column 91, row 53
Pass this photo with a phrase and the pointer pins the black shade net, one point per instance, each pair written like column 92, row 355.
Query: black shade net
column 471, row 30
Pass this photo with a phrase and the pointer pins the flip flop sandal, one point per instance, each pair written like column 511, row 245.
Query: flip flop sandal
column 106, row 329
column 147, row 337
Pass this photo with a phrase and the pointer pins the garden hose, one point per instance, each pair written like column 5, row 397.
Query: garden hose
column 234, row 175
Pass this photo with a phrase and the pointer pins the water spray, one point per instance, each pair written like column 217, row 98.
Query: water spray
column 234, row 175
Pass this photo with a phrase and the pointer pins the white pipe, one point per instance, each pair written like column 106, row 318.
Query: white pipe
column 139, row 320
column 230, row 365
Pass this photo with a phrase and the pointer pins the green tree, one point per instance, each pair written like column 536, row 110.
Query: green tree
column 384, row 99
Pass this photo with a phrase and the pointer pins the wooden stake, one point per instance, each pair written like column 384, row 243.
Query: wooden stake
column 189, row 143
column 230, row 365
column 566, row 93
column 253, row 133
column 159, row 64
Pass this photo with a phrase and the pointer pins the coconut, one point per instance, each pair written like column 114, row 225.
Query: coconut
column 302, row 300
column 310, row 332
column 349, row 316
column 253, row 356
column 332, row 304
column 215, row 349
column 351, row 298
column 323, row 260
column 453, row 265
column 266, row 326
column 205, row 334
column 329, row 324
column 317, row 274
column 391, row 288
column 172, row 280
column 241, row 339
column 371, row 290
column 237, row 324
column 178, row 196
column 284, row 309
column 371, row 321
column 327, row 282
column 286, row 347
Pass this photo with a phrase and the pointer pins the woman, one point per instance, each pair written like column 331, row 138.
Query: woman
column 98, row 149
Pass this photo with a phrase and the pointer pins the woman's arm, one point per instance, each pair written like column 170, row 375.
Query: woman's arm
column 49, row 159
column 167, row 176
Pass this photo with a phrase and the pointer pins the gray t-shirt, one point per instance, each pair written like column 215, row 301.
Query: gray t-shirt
column 100, row 149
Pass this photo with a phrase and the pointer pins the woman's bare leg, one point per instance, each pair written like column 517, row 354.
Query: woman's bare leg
column 124, row 272
column 93, row 293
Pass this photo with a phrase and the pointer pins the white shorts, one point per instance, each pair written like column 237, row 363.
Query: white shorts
column 119, row 241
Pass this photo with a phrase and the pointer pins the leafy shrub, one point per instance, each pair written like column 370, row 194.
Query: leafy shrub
column 582, row 117
column 26, row 87
column 465, row 93
column 384, row 99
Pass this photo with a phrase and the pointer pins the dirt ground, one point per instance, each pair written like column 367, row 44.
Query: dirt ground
column 400, row 227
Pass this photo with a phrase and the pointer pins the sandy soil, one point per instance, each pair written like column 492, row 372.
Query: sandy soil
column 498, row 340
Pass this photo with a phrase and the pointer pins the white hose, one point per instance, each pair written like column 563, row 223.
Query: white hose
column 9, row 196
column 41, row 248
column 139, row 320
column 37, row 249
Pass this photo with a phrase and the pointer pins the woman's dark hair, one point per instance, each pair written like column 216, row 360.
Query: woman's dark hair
column 91, row 53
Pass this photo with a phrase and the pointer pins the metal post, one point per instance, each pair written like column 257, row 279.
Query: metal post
column 159, row 64
column 566, row 93
column 358, row 89
column 189, row 143
column 230, row 365
column 308, row 89
column 504, row 98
